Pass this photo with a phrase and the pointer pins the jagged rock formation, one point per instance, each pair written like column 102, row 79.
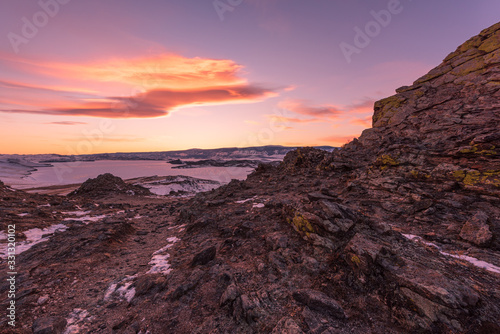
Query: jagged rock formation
column 107, row 184
column 397, row 232
column 428, row 167
column 432, row 155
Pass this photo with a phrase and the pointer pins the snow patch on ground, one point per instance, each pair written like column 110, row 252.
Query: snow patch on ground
column 257, row 205
column 179, row 183
column 180, row 227
column 159, row 262
column 76, row 213
column 75, row 321
column 246, row 200
column 472, row 260
column 87, row 219
column 416, row 238
column 122, row 290
column 33, row 237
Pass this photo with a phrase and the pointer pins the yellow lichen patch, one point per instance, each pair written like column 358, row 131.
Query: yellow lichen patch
column 474, row 42
column 459, row 175
column 491, row 43
column 355, row 259
column 299, row 154
column 419, row 93
column 487, row 152
column 301, row 224
column 472, row 178
column 473, row 65
column 475, row 149
column 387, row 107
column 419, row 175
column 472, row 149
column 491, row 177
column 385, row 161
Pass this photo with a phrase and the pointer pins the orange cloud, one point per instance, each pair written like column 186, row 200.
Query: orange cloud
column 167, row 71
column 155, row 86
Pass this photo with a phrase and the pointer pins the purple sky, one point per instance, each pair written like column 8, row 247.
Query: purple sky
column 109, row 75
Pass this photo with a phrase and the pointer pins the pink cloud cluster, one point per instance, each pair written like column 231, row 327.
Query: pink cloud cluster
column 153, row 87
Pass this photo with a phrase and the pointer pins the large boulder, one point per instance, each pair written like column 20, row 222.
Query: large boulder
column 108, row 184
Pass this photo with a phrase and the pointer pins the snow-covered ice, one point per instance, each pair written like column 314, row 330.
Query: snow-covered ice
column 76, row 213
column 159, row 262
column 75, row 321
column 472, row 260
column 476, row 262
column 33, row 236
column 87, row 219
column 246, row 200
column 122, row 290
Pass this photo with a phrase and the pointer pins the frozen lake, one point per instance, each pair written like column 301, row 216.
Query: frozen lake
column 77, row 172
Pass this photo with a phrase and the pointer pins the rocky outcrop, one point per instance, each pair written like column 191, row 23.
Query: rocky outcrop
column 403, row 222
column 431, row 160
column 476, row 230
column 108, row 184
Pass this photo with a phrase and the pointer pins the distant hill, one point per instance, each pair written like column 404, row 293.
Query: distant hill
column 270, row 152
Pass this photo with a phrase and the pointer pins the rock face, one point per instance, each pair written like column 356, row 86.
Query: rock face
column 49, row 325
column 107, row 184
column 476, row 230
column 429, row 168
column 397, row 232
column 432, row 156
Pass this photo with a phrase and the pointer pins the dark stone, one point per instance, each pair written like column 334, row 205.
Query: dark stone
column 119, row 324
column 150, row 284
column 49, row 325
column 204, row 256
column 319, row 302
column 317, row 196
column 190, row 284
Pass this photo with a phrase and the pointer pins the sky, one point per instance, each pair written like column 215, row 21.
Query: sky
column 96, row 76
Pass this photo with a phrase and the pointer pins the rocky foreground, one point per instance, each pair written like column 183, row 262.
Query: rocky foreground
column 397, row 232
